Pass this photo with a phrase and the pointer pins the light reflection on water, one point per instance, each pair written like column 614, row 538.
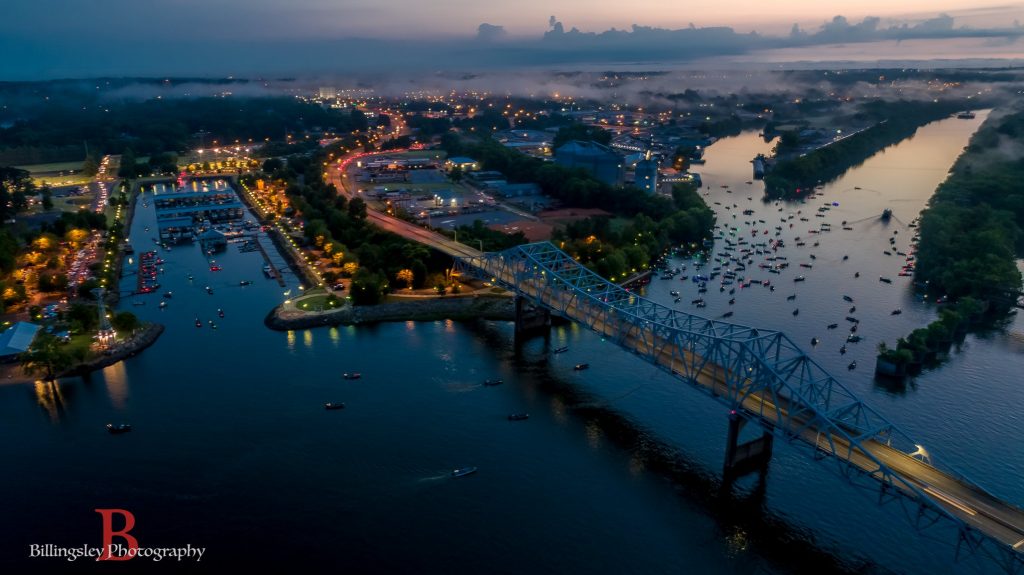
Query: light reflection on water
column 117, row 385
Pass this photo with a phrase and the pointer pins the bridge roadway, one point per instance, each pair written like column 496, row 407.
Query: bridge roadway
column 978, row 509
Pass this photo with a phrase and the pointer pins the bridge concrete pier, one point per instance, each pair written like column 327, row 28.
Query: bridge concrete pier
column 530, row 320
column 746, row 457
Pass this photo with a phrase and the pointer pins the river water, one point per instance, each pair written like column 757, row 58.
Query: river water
column 616, row 471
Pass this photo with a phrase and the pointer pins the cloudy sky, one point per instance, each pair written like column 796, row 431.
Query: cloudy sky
column 48, row 38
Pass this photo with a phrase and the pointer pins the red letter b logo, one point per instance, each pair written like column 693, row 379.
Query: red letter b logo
column 109, row 534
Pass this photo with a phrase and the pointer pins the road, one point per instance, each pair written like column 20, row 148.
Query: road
column 339, row 178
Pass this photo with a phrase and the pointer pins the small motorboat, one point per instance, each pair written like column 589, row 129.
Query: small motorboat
column 727, row 314
column 116, row 428
column 562, row 349
column 853, row 309
column 355, row 375
column 853, row 338
column 896, row 312
column 856, row 274
column 189, row 276
column 799, row 279
column 885, row 280
column 215, row 268
column 848, row 298
column 163, row 304
column 463, row 471
column 833, row 325
column 518, row 416
column 852, row 366
column 842, row 350
column 791, row 297
column 334, row 405
column 213, row 325
column 209, row 290
column 493, row 382
column 846, row 258
column 168, row 294
column 220, row 313
column 852, row 319
column 581, row 366
column 814, row 341
column 199, row 323
column 244, row 283
column 796, row 312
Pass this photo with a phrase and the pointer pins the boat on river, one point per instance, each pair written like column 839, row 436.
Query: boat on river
column 334, row 405
column 581, row 366
column 562, row 349
column 354, row 375
column 463, row 471
column 493, row 382
column 117, row 428
column 519, row 416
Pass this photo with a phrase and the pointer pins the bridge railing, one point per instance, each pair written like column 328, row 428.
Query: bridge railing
column 742, row 361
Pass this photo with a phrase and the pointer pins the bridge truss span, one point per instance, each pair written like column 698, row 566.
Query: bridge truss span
column 764, row 377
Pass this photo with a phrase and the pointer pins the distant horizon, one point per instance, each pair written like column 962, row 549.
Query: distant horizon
column 204, row 44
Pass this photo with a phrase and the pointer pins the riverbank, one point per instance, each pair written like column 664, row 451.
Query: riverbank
column 488, row 307
column 794, row 178
column 971, row 235
column 143, row 338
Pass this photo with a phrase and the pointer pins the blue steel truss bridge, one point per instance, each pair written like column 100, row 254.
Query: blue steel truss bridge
column 765, row 379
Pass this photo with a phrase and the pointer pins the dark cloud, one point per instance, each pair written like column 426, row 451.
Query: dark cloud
column 490, row 32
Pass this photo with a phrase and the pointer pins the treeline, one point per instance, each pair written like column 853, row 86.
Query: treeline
column 971, row 235
column 15, row 188
column 615, row 252
column 372, row 257
column 156, row 125
column 794, row 177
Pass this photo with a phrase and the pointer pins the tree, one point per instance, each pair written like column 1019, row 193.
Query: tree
column 90, row 167
column 47, row 198
column 46, row 355
column 367, row 287
column 128, row 167
column 125, row 322
column 359, row 122
column 357, row 209
column 405, row 275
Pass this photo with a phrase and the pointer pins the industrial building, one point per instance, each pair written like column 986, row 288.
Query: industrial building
column 603, row 163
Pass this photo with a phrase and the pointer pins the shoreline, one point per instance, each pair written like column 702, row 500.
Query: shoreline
column 488, row 307
column 145, row 337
